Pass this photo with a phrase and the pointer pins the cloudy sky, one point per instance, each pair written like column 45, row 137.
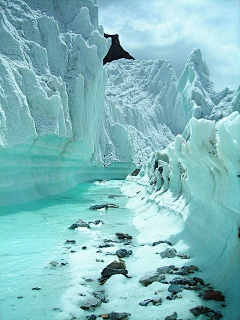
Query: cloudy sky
column 171, row 29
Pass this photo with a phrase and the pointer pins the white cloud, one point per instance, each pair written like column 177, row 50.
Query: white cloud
column 161, row 29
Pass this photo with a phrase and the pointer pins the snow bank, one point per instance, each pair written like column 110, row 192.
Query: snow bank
column 192, row 194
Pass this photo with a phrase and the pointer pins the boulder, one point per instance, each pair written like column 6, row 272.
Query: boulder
column 91, row 304
column 123, row 236
column 105, row 205
column 150, row 278
column 145, row 302
column 214, row 295
column 165, row 269
column 161, row 241
column 79, row 224
column 172, row 316
column 116, row 316
column 169, row 253
column 121, row 253
column 197, row 311
column 115, row 267
column 175, row 288
column 184, row 281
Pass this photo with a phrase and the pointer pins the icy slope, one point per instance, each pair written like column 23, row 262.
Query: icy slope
column 141, row 96
column 195, row 185
column 51, row 94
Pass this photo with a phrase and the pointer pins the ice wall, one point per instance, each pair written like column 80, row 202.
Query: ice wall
column 51, row 95
column 142, row 99
column 197, row 180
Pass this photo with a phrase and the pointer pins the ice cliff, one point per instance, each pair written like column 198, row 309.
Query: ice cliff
column 51, row 95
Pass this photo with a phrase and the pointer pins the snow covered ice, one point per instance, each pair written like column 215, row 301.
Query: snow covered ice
column 66, row 121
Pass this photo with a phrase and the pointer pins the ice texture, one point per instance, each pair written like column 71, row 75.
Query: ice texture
column 142, row 99
column 195, row 184
column 57, row 125
column 51, row 95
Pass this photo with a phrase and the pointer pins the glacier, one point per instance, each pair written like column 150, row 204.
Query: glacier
column 66, row 119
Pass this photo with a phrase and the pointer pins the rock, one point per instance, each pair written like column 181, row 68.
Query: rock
column 70, row 241
column 166, row 269
column 172, row 316
column 150, row 278
column 183, row 281
column 175, row 288
column 123, row 236
column 183, row 256
column 96, row 222
column 145, row 302
column 214, row 295
column 157, row 302
column 101, row 206
column 20, row 297
column 92, row 317
column 169, row 253
column 101, row 296
column 84, row 248
column 105, row 245
column 197, row 311
column 135, row 172
column 116, row 316
column 37, row 288
column 78, row 224
column 121, row 253
column 199, row 280
column 53, row 263
column 115, row 267
column 116, row 51
column 91, row 304
column 159, row 242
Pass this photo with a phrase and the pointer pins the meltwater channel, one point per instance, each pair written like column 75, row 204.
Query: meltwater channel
column 40, row 272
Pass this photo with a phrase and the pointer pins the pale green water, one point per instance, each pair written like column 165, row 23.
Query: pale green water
column 34, row 234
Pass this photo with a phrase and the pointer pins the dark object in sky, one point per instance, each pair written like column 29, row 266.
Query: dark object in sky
column 116, row 51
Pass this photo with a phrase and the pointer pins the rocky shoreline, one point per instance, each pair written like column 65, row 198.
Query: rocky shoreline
column 177, row 280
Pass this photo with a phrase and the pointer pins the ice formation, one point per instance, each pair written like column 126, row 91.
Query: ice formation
column 51, row 95
column 198, row 181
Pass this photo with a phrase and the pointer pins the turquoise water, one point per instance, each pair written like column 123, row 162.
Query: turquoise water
column 33, row 249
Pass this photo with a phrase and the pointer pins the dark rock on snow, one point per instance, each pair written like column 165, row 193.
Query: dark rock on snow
column 116, row 51
column 175, row 288
column 214, row 295
column 172, row 316
column 92, row 317
column 78, row 224
column 150, row 278
column 101, row 206
column 37, row 288
column 169, row 253
column 115, row 267
column 91, row 304
column 70, row 241
column 197, row 311
column 121, row 253
column 123, row 236
column 165, row 269
column 160, row 242
column 145, row 302
column 116, row 316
